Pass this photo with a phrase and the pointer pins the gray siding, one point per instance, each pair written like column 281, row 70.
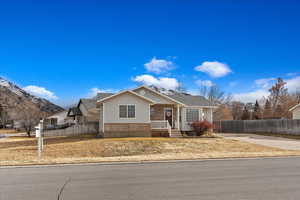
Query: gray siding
column 111, row 109
column 207, row 115
column 153, row 96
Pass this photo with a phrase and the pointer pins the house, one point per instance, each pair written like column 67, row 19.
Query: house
column 296, row 111
column 86, row 110
column 58, row 119
column 75, row 114
column 145, row 112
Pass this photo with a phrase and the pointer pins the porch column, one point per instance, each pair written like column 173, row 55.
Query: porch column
column 201, row 114
column 178, row 113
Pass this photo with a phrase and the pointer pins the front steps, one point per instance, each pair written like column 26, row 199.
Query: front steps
column 175, row 133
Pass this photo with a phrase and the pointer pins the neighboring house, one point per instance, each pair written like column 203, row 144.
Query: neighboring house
column 146, row 112
column 75, row 114
column 296, row 111
column 86, row 110
column 58, row 119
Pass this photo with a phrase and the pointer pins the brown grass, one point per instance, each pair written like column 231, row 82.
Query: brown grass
column 8, row 131
column 22, row 151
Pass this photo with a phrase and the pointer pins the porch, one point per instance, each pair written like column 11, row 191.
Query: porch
column 165, row 118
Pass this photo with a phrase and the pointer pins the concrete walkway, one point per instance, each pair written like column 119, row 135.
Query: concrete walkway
column 7, row 135
column 278, row 142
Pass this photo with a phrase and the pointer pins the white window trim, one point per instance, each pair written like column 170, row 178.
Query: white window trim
column 126, row 118
column 199, row 114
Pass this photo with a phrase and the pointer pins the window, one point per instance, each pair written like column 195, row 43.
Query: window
column 123, row 111
column 192, row 115
column 127, row 111
column 131, row 111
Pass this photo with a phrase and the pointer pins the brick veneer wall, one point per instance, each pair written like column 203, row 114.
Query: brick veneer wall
column 127, row 130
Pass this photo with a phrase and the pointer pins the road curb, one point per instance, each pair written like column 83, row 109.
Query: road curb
column 144, row 162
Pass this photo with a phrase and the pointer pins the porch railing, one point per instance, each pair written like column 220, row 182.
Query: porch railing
column 161, row 124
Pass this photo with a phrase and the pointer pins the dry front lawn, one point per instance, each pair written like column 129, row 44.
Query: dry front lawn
column 7, row 131
column 22, row 151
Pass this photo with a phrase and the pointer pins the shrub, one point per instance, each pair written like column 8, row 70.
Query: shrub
column 200, row 127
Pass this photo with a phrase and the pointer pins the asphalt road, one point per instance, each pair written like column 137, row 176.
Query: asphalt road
column 276, row 178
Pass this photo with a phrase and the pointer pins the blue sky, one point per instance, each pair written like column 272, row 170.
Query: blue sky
column 64, row 50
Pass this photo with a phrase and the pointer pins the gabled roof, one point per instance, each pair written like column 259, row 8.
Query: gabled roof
column 88, row 103
column 103, row 95
column 293, row 108
column 73, row 112
column 158, row 93
column 92, row 103
column 183, row 99
column 190, row 100
column 123, row 92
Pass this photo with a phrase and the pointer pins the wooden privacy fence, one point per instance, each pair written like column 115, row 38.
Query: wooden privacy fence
column 277, row 126
column 75, row 130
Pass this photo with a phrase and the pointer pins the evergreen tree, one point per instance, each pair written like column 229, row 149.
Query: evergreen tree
column 257, row 111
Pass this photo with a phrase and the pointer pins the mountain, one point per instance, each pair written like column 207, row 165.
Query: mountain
column 12, row 95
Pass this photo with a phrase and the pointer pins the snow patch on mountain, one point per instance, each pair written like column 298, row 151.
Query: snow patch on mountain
column 7, row 87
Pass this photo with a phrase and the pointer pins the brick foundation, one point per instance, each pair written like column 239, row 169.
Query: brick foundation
column 127, row 130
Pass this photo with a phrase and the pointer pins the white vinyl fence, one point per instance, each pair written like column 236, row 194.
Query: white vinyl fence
column 75, row 130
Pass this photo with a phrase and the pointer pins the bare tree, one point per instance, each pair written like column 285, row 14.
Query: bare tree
column 223, row 112
column 278, row 93
column 27, row 117
column 267, row 113
column 4, row 117
column 237, row 109
column 215, row 95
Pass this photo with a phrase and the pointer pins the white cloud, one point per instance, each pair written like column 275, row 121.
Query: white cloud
column 40, row 92
column 265, row 82
column 292, row 74
column 263, row 85
column 159, row 66
column 193, row 91
column 206, row 83
column 214, row 69
column 94, row 91
column 293, row 84
column 162, row 82
column 251, row 96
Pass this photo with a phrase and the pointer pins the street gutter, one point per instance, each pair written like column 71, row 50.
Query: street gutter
column 145, row 162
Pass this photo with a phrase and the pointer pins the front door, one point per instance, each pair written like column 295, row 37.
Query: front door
column 169, row 116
